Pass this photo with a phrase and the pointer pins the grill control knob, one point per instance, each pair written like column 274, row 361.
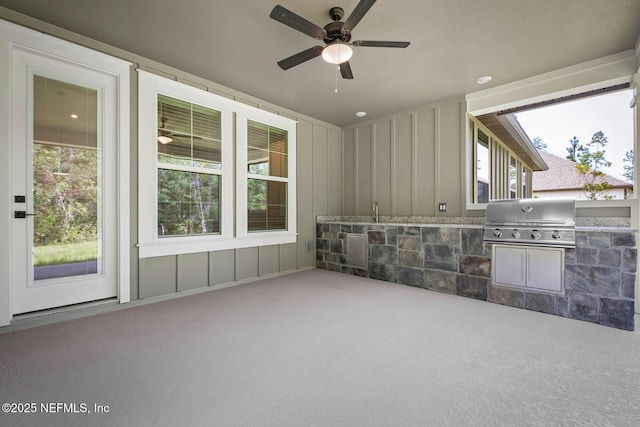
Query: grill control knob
column 497, row 233
column 535, row 234
column 556, row 234
column 515, row 234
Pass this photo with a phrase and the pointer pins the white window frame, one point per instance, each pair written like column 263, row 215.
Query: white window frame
column 271, row 237
column 473, row 162
column 150, row 244
column 500, row 157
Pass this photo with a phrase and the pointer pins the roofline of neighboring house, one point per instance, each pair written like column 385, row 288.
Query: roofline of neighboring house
column 625, row 185
column 507, row 129
column 564, row 177
column 549, row 190
column 512, row 125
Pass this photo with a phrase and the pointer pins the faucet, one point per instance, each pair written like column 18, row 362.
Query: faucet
column 374, row 212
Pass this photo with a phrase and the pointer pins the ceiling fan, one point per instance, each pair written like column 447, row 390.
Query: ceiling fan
column 336, row 35
column 166, row 136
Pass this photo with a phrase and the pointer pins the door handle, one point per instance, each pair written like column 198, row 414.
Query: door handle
column 22, row 214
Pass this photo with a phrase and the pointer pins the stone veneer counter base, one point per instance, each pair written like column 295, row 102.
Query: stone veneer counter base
column 451, row 257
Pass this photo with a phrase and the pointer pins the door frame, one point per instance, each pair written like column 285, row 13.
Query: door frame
column 14, row 36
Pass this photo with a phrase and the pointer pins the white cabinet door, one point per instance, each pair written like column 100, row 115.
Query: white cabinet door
column 538, row 269
column 509, row 266
column 544, row 269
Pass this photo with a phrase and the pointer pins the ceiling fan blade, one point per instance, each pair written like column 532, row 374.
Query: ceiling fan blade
column 300, row 57
column 361, row 9
column 297, row 22
column 372, row 43
column 345, row 70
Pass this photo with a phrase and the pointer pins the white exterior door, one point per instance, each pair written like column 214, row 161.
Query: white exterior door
column 67, row 173
column 63, row 242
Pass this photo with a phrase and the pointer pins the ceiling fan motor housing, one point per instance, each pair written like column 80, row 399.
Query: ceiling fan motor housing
column 334, row 32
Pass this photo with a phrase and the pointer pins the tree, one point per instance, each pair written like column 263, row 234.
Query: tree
column 188, row 202
column 591, row 160
column 594, row 154
column 575, row 150
column 539, row 143
column 65, row 191
column 628, row 166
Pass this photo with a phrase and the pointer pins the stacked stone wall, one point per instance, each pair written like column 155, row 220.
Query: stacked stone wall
column 600, row 272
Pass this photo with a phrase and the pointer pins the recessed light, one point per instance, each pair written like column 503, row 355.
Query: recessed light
column 74, row 116
column 361, row 114
column 484, row 79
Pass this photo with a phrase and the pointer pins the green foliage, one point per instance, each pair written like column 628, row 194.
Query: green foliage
column 595, row 160
column 589, row 162
column 539, row 143
column 594, row 153
column 65, row 191
column 63, row 254
column 188, row 203
column 575, row 150
column 257, row 194
column 628, row 166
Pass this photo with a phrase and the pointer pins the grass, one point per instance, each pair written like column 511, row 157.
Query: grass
column 65, row 254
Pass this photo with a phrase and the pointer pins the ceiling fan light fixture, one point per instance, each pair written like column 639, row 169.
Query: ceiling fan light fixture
column 337, row 53
column 162, row 139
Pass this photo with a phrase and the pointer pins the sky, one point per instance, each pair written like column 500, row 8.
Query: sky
column 610, row 113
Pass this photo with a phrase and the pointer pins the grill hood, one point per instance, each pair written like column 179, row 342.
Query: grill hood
column 548, row 222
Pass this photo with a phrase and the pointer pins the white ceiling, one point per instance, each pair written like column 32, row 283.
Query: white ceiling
column 453, row 42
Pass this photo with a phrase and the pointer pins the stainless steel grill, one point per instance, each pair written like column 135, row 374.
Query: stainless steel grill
column 544, row 222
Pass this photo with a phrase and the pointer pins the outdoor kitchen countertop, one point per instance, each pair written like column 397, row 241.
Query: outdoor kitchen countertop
column 604, row 224
column 423, row 221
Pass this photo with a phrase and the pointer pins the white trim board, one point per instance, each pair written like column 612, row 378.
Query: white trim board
column 592, row 75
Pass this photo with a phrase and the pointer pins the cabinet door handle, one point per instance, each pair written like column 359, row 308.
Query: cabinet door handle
column 522, row 267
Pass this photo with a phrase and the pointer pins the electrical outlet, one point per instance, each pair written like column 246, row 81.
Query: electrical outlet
column 442, row 207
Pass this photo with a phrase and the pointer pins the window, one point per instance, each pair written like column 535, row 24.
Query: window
column 513, row 178
column 193, row 196
column 597, row 166
column 267, row 177
column 267, row 208
column 499, row 173
column 189, row 168
column 186, row 168
column 588, row 145
column 482, row 167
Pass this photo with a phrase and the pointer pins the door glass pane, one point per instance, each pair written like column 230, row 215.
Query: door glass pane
column 66, row 153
